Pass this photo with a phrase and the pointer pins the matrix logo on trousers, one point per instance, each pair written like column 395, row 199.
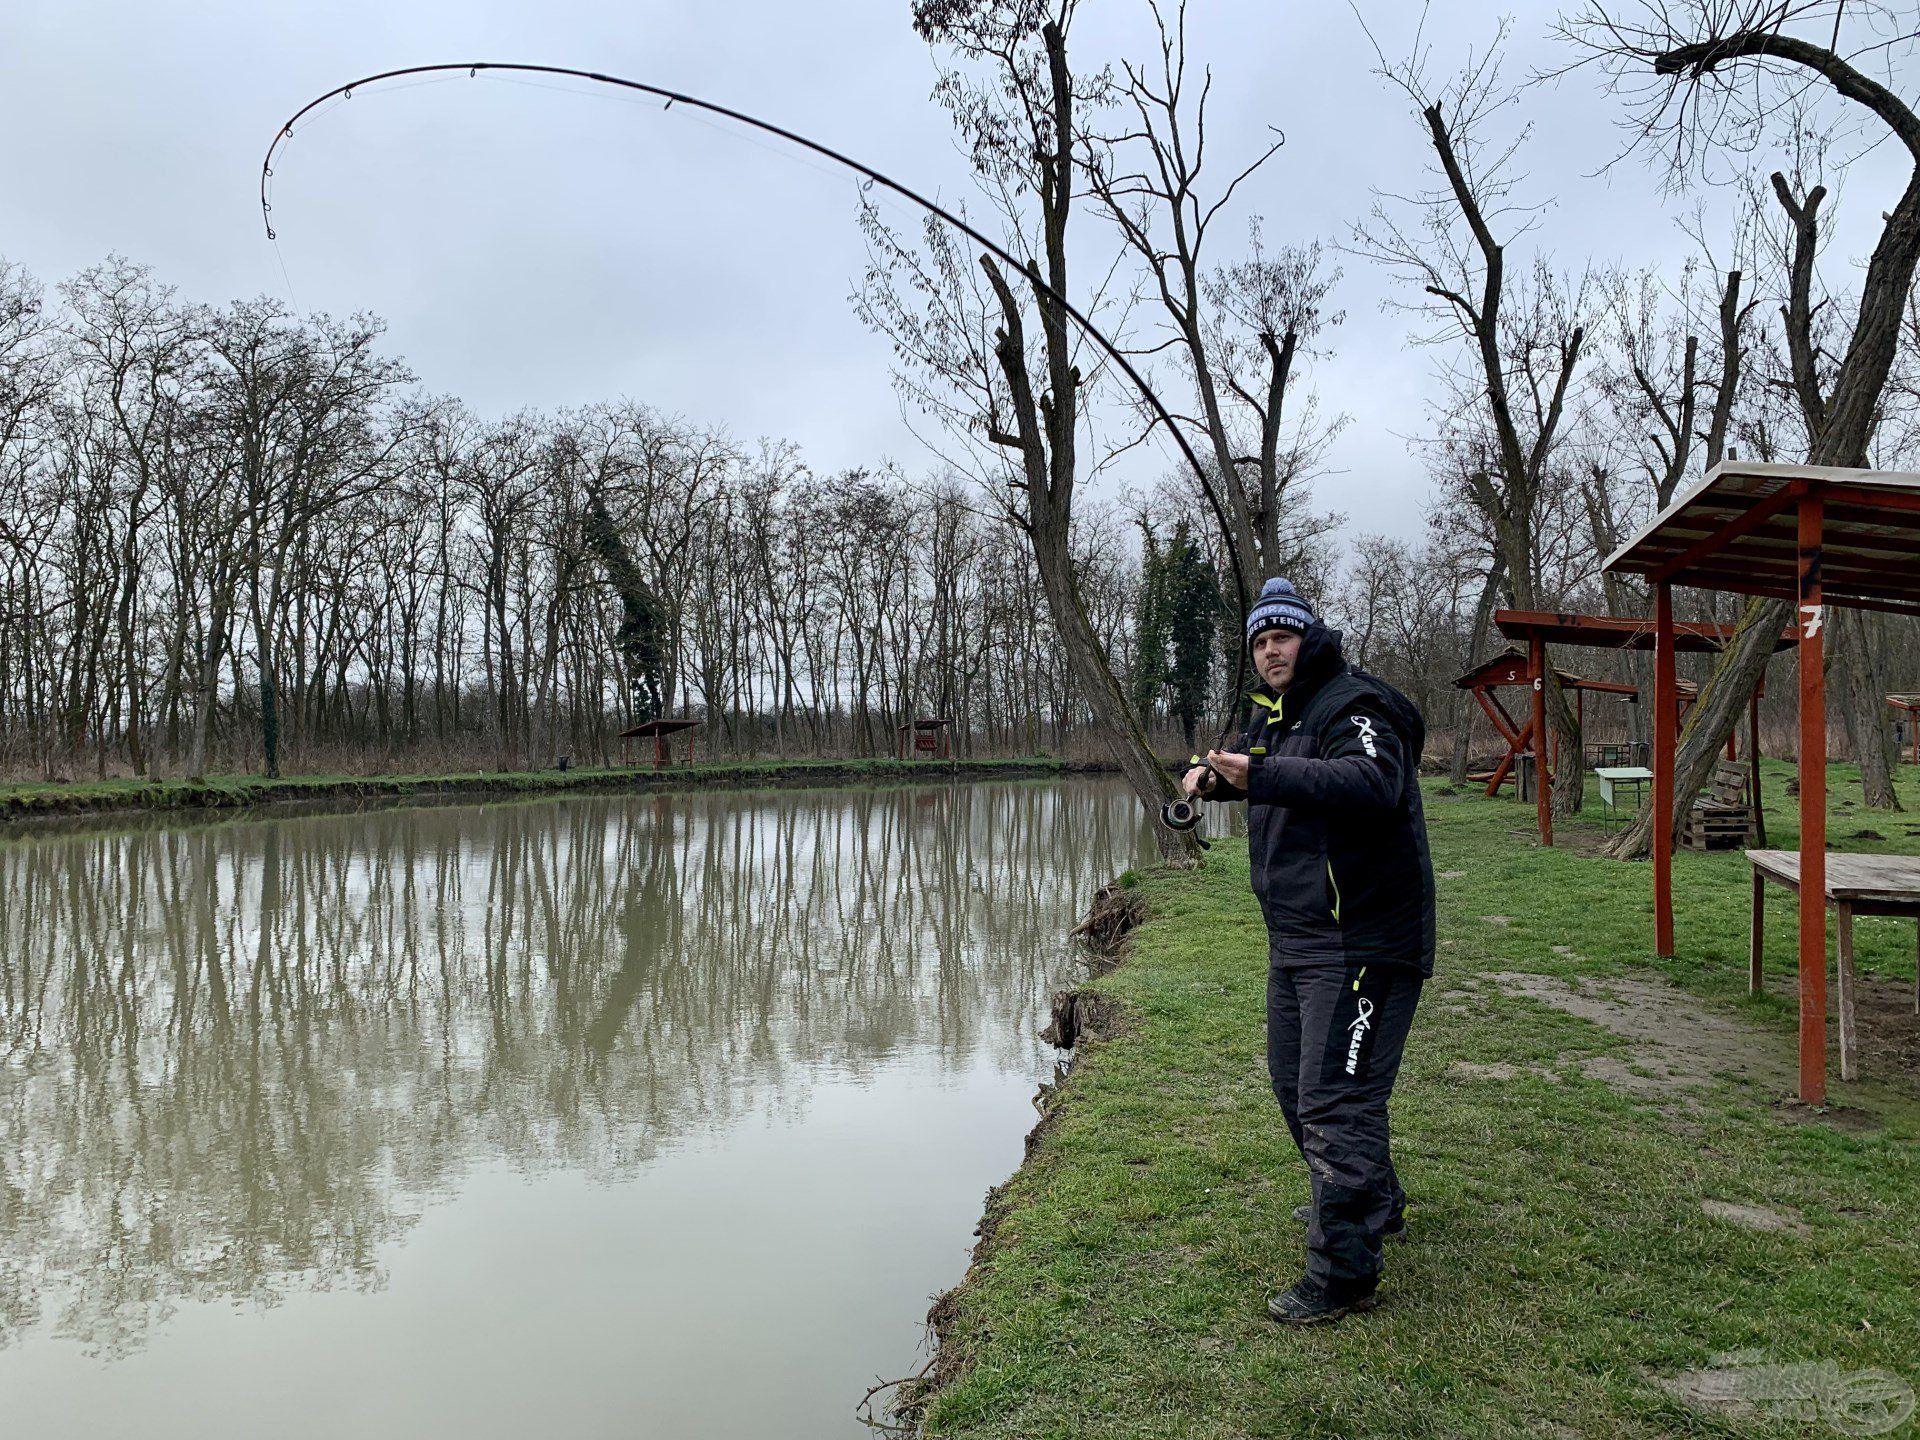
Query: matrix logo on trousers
column 1366, row 735
column 1357, row 1032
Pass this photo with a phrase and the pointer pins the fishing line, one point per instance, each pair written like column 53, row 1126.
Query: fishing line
column 870, row 178
column 292, row 299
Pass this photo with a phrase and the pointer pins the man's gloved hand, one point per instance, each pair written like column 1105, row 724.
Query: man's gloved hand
column 1232, row 766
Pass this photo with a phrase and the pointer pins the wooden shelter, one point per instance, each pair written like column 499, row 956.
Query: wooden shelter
column 1909, row 705
column 662, row 733
column 1816, row 536
column 930, row 738
column 1537, row 629
column 1508, row 670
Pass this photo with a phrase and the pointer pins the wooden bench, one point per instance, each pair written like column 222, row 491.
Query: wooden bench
column 1856, row 885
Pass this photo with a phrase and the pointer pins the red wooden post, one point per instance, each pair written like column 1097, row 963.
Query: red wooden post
column 1503, row 725
column 1813, row 809
column 1542, row 781
column 1666, row 720
column 1753, row 767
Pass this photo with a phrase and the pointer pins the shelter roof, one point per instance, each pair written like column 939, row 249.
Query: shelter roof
column 1737, row 530
column 1510, row 667
column 656, row 727
column 1610, row 632
column 929, row 724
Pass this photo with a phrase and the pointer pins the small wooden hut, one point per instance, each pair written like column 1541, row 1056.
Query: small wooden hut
column 661, row 732
column 931, row 738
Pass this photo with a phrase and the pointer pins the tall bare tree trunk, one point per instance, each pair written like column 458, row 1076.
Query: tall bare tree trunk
column 1864, row 682
column 1482, row 617
column 1045, row 439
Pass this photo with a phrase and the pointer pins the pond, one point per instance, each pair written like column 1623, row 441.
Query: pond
column 638, row 1115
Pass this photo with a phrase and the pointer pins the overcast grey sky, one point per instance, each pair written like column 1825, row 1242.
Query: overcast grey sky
column 534, row 246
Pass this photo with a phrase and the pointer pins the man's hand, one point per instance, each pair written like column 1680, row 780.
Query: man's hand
column 1231, row 765
column 1197, row 781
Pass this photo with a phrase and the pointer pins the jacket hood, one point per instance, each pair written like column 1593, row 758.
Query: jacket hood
column 1320, row 659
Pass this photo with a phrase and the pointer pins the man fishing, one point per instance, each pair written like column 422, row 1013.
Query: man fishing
column 1329, row 768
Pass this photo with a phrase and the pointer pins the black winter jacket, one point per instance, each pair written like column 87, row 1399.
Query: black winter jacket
column 1335, row 827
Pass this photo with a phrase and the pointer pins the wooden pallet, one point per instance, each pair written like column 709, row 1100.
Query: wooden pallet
column 1707, row 830
column 1722, row 818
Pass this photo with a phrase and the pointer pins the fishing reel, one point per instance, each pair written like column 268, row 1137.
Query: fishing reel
column 1183, row 813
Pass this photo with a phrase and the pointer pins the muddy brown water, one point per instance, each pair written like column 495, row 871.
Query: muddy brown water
column 595, row 1116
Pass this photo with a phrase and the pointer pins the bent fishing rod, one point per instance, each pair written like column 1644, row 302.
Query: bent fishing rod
column 1180, row 813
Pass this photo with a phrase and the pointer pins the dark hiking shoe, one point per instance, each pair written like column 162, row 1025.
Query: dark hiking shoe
column 1310, row 1303
column 1396, row 1222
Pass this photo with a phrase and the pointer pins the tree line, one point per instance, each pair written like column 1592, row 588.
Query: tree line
column 234, row 537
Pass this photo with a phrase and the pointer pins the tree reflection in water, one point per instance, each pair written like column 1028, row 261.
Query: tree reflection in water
column 240, row 1057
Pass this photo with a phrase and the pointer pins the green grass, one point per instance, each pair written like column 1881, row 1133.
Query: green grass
column 1560, row 1263
column 31, row 799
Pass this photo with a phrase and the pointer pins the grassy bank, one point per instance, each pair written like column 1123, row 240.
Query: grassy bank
column 1609, row 1190
column 31, row 800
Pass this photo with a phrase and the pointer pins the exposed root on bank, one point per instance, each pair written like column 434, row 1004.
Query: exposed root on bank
column 890, row 1422
column 1079, row 1014
column 1116, row 913
column 911, row 1398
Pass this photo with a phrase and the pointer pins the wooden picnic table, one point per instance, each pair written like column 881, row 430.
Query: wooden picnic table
column 1856, row 885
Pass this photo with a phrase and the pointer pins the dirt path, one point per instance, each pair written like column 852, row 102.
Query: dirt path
column 1677, row 1045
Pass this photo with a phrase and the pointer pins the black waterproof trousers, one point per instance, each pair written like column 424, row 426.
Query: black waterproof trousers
column 1334, row 1038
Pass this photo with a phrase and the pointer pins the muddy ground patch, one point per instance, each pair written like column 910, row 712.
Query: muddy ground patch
column 1675, row 1045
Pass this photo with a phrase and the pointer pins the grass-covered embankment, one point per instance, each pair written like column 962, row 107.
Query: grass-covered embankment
column 39, row 799
column 1569, row 1255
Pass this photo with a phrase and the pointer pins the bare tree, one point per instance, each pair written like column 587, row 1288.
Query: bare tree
column 1404, row 606
column 1242, row 331
column 1524, row 333
column 971, row 360
column 298, row 404
column 139, row 354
